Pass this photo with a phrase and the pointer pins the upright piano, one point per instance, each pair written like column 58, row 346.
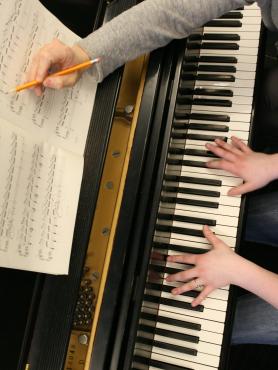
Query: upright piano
column 146, row 193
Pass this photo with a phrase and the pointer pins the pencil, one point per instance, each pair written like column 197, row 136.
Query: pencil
column 63, row 72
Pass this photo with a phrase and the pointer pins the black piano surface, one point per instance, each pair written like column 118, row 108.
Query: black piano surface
column 17, row 302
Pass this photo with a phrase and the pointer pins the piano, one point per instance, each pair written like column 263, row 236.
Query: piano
column 114, row 310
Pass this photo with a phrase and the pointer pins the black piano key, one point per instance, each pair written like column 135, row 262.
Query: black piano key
column 192, row 180
column 168, row 289
column 207, row 77
column 205, row 137
column 178, row 248
column 189, row 151
column 168, row 333
column 170, row 321
column 193, row 220
column 163, row 269
column 172, row 303
column 180, row 135
column 210, row 59
column 223, row 23
column 202, row 192
column 158, row 364
column 165, row 345
column 221, row 37
column 183, row 162
column 190, row 202
column 179, row 230
column 180, row 124
column 213, row 46
column 216, row 36
column 180, row 113
column 232, row 15
column 209, row 68
column 199, row 152
column 185, row 90
column 204, row 102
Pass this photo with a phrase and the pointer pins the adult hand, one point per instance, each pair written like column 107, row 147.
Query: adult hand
column 256, row 169
column 52, row 57
column 213, row 269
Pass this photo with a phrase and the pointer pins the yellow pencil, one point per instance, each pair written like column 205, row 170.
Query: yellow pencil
column 63, row 72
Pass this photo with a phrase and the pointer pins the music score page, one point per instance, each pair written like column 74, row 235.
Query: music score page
column 42, row 142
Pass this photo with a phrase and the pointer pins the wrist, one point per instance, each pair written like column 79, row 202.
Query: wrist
column 80, row 54
column 273, row 166
column 238, row 267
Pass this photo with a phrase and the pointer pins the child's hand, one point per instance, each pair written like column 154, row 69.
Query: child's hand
column 256, row 169
column 214, row 269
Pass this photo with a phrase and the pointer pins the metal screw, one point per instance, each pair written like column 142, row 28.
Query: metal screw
column 116, row 153
column 109, row 185
column 105, row 231
column 83, row 339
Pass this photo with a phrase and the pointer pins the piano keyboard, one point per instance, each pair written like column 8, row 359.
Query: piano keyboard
column 214, row 99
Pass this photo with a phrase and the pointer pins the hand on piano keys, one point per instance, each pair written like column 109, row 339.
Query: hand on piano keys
column 256, row 169
column 205, row 271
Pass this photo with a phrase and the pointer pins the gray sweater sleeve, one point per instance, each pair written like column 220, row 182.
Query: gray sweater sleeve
column 147, row 26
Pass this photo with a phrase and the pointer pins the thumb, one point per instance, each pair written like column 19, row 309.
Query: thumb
column 242, row 189
column 211, row 237
column 60, row 81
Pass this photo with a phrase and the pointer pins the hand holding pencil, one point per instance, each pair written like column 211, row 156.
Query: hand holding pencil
column 69, row 61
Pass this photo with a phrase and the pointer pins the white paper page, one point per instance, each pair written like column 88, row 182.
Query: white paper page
column 61, row 117
column 39, row 192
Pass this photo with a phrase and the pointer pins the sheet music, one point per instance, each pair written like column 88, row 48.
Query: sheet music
column 39, row 193
column 42, row 141
column 60, row 117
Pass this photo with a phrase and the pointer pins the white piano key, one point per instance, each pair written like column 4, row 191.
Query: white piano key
column 202, row 170
column 238, row 91
column 227, row 180
column 221, row 294
column 242, row 75
column 236, row 100
column 233, row 125
column 246, row 21
column 207, row 325
column 221, row 210
column 249, row 84
column 218, row 229
column 200, row 358
column 243, row 135
column 220, row 219
column 242, row 67
column 211, row 307
column 235, row 108
column 205, row 336
column 241, row 58
column 241, row 43
column 221, row 189
column 170, row 360
column 208, row 348
column 222, row 199
column 229, row 240
column 244, row 28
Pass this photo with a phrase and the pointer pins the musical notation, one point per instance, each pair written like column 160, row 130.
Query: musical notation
column 27, row 28
column 42, row 140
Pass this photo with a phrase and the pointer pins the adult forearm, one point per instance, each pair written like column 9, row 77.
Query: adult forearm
column 257, row 280
column 149, row 25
